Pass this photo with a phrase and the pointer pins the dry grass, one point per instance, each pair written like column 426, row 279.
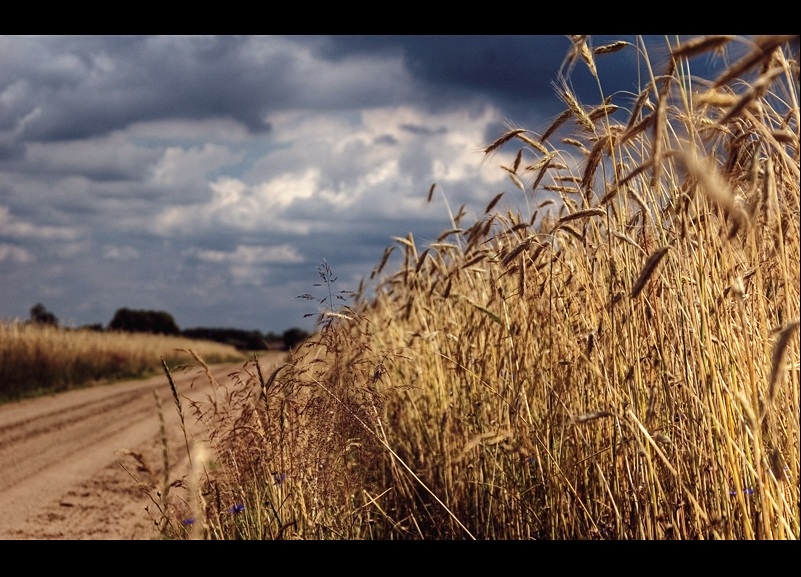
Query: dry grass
column 621, row 364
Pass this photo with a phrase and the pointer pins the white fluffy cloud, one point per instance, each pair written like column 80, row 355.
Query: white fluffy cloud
column 181, row 166
column 253, row 255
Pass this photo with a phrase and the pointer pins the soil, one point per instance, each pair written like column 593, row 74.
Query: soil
column 67, row 469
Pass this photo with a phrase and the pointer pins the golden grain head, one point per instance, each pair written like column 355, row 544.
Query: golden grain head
column 700, row 45
column 648, row 270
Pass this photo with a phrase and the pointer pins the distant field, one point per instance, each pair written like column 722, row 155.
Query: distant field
column 39, row 359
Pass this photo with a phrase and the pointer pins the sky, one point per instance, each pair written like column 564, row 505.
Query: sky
column 210, row 176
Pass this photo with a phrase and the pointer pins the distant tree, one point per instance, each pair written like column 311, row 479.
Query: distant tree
column 241, row 339
column 123, row 321
column 163, row 323
column 271, row 336
column 293, row 337
column 41, row 316
column 143, row 321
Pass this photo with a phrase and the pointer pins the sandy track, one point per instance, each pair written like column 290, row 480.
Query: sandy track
column 61, row 473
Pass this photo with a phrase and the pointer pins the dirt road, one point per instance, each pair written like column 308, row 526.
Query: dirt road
column 61, row 457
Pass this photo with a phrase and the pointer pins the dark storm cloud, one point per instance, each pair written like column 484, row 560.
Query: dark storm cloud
column 516, row 72
column 77, row 86
column 74, row 87
column 458, row 69
column 71, row 87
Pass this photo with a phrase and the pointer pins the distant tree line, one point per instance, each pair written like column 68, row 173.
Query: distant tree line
column 162, row 322
column 246, row 340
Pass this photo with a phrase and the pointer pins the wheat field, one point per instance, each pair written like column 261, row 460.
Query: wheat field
column 43, row 359
column 617, row 359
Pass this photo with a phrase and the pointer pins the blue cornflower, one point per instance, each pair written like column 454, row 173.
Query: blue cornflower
column 746, row 491
column 279, row 478
column 188, row 521
column 238, row 508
